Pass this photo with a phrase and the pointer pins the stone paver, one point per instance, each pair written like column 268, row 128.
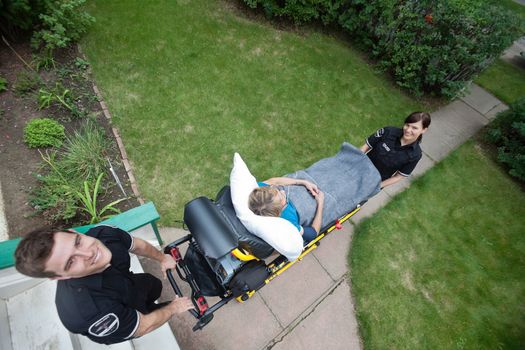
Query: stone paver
column 296, row 289
column 331, row 326
column 333, row 251
column 480, row 99
column 451, row 126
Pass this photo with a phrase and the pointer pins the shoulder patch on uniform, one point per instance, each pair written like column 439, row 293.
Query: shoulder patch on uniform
column 104, row 326
column 380, row 132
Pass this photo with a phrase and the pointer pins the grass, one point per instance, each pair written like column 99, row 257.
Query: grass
column 505, row 80
column 442, row 265
column 191, row 82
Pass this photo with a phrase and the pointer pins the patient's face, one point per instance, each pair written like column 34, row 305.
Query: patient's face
column 279, row 197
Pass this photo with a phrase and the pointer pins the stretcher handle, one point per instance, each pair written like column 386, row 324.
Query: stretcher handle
column 178, row 292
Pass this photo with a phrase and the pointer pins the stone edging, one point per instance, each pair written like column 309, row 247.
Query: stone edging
column 115, row 132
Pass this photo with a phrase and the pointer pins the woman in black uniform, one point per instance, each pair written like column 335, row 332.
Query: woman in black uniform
column 395, row 152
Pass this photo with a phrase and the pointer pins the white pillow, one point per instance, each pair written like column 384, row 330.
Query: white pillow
column 277, row 232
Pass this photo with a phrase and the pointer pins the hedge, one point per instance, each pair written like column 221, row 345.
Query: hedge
column 427, row 46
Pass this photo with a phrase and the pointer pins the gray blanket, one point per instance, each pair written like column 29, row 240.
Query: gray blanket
column 346, row 179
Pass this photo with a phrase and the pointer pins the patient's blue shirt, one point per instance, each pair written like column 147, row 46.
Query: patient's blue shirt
column 289, row 213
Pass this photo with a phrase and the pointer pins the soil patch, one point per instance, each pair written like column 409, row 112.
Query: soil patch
column 20, row 164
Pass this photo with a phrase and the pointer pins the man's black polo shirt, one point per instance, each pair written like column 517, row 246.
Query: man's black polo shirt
column 103, row 306
column 389, row 156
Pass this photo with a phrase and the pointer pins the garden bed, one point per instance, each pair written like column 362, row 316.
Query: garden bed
column 21, row 164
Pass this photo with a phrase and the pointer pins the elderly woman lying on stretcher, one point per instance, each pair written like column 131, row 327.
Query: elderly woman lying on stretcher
column 392, row 154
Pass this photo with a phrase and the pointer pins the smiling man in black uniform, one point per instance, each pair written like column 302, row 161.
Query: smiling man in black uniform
column 97, row 294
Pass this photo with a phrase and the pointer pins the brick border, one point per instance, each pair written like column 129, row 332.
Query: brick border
column 116, row 134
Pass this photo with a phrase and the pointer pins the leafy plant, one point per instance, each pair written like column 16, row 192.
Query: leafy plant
column 44, row 60
column 44, row 132
column 3, row 84
column 81, row 63
column 61, row 23
column 58, row 95
column 26, row 82
column 507, row 132
column 89, row 200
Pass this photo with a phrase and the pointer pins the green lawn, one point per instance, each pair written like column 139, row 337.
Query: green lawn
column 442, row 266
column 191, row 82
column 506, row 81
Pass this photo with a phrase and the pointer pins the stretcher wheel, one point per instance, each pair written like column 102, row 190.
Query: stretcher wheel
column 203, row 321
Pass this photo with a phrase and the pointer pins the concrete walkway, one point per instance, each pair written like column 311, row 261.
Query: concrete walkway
column 310, row 305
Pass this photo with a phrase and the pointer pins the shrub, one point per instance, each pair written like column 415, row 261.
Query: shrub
column 427, row 46
column 26, row 82
column 3, row 84
column 55, row 23
column 44, row 132
column 62, row 22
column 507, row 132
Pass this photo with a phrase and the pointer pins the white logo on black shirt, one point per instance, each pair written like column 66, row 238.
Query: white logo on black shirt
column 385, row 146
column 104, row 326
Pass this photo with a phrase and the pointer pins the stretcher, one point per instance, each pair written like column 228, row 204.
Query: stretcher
column 223, row 259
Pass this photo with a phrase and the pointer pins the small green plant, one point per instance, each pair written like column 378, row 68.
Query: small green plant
column 3, row 84
column 26, row 82
column 44, row 132
column 44, row 60
column 89, row 200
column 81, row 63
column 58, row 95
column 507, row 132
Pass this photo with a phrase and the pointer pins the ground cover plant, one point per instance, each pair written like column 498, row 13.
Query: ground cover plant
column 190, row 83
column 44, row 132
column 505, row 80
column 441, row 266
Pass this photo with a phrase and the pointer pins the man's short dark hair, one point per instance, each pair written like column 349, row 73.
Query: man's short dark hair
column 33, row 251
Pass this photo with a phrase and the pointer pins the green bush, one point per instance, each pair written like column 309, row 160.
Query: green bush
column 44, row 132
column 507, row 132
column 54, row 23
column 427, row 46
column 61, row 23
column 3, row 84
column 26, row 82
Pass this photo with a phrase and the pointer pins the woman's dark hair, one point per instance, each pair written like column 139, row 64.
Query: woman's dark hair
column 422, row 117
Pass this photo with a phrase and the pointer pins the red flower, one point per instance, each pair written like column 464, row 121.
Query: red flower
column 428, row 18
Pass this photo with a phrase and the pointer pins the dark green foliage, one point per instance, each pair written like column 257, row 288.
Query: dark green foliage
column 62, row 22
column 3, row 84
column 507, row 132
column 26, row 82
column 427, row 46
column 54, row 23
column 44, row 132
